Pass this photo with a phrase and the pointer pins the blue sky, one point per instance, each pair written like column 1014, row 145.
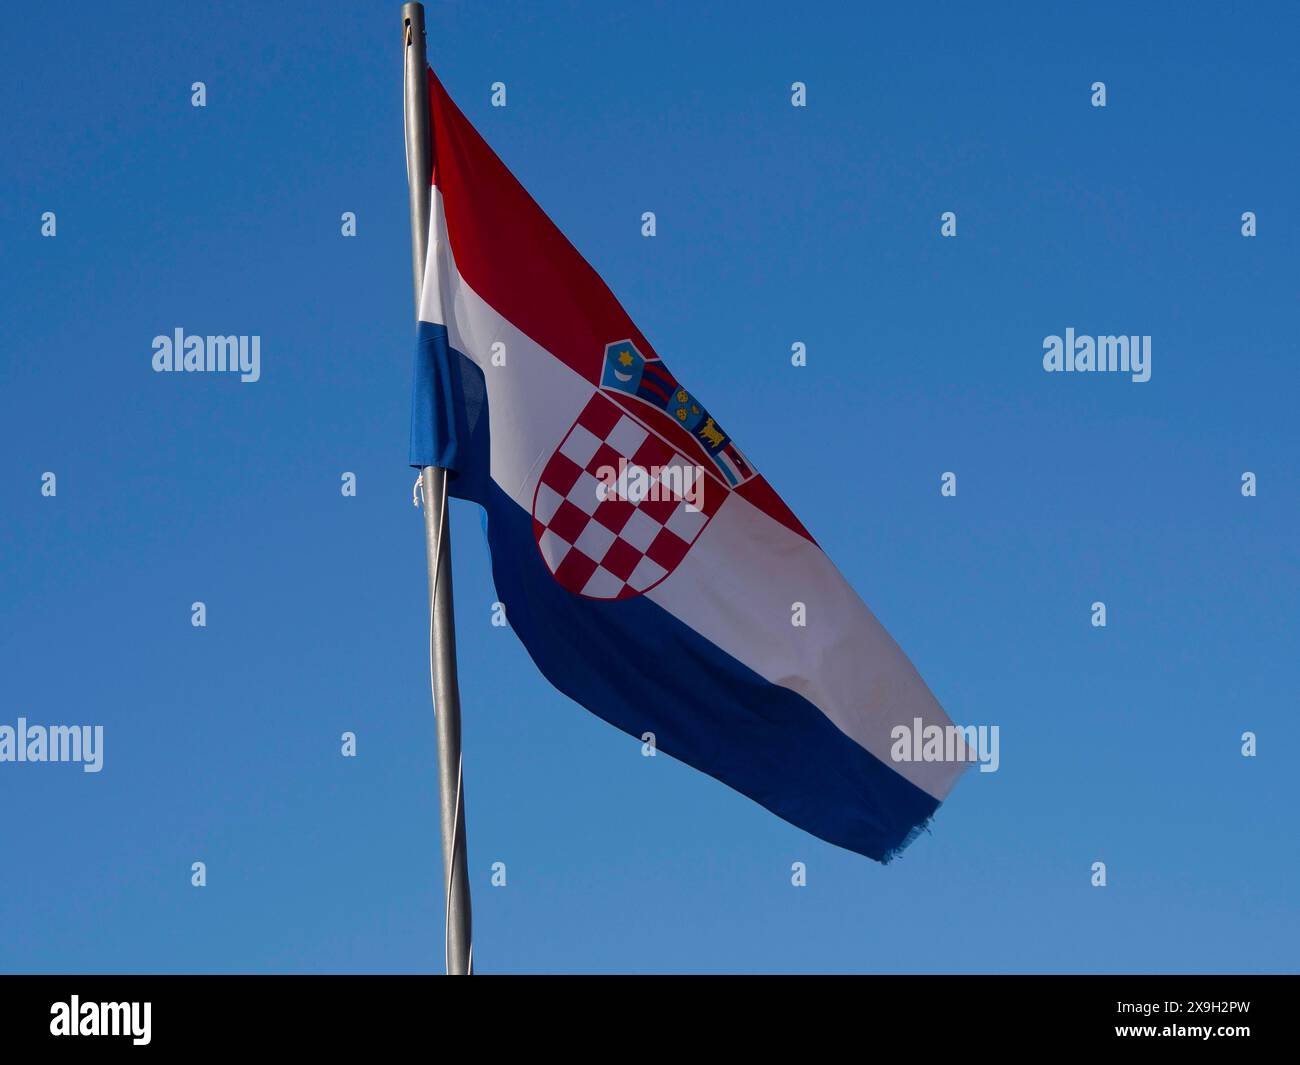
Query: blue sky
column 775, row 225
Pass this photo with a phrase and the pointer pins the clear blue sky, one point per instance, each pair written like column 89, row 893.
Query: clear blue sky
column 776, row 225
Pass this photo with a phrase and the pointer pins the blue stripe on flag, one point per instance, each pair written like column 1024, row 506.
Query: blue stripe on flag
column 638, row 667
column 704, row 707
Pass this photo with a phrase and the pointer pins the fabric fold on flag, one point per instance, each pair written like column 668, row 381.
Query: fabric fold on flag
column 648, row 568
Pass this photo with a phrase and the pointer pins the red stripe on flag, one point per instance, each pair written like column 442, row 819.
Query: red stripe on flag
column 515, row 257
column 517, row 260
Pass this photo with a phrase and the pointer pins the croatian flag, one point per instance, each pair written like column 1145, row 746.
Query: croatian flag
column 647, row 566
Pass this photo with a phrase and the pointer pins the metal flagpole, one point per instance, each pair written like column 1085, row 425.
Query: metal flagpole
column 437, row 532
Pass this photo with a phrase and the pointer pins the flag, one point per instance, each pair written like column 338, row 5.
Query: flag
column 652, row 573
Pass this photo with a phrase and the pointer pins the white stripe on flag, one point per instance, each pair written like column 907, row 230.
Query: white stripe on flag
column 736, row 585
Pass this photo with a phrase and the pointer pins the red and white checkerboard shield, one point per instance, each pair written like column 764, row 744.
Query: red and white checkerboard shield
column 599, row 543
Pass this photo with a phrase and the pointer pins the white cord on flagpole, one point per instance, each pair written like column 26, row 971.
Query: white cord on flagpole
column 414, row 100
column 417, row 494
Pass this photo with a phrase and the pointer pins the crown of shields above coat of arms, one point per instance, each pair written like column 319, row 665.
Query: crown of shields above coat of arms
column 629, row 372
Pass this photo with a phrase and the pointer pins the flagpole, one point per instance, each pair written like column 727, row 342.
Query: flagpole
column 459, row 953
